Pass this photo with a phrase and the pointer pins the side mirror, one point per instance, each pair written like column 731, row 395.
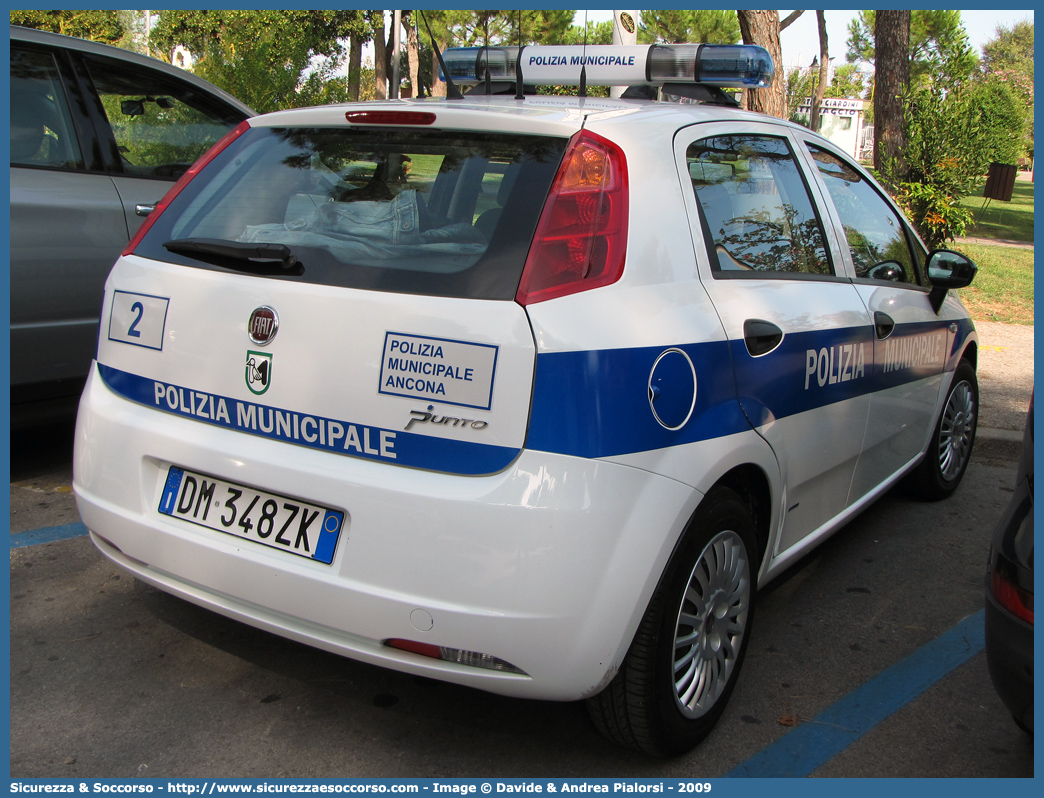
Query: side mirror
column 132, row 107
column 948, row 270
column 889, row 270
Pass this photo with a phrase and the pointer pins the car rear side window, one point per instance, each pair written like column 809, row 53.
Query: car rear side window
column 756, row 206
column 427, row 212
column 41, row 128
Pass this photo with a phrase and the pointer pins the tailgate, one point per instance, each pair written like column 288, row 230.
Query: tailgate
column 438, row 383
column 348, row 289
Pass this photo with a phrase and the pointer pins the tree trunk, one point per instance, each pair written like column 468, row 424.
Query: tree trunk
column 891, row 79
column 438, row 87
column 762, row 28
column 824, row 73
column 380, row 60
column 412, row 53
column 354, row 67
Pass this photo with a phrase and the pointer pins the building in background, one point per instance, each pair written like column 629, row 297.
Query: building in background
column 842, row 120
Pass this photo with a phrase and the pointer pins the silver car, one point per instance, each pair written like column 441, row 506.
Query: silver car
column 98, row 135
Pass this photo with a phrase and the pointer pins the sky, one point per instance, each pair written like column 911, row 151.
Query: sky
column 800, row 41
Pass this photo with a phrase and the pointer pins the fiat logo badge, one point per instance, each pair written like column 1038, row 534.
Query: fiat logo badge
column 263, row 325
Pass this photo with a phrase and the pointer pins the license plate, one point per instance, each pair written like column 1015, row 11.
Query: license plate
column 290, row 525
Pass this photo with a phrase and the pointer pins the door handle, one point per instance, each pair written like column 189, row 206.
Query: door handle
column 761, row 337
column 883, row 325
column 144, row 209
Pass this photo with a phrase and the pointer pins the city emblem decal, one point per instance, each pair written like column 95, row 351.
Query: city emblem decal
column 258, row 371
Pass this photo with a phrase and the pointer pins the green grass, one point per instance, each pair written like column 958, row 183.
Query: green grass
column 1003, row 288
column 1013, row 220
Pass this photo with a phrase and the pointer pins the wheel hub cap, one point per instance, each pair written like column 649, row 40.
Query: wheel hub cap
column 956, row 430
column 712, row 620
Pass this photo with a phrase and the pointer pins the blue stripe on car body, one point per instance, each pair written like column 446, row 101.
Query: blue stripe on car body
column 595, row 403
column 337, row 436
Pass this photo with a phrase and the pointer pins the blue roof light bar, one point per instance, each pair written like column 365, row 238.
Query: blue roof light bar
column 732, row 66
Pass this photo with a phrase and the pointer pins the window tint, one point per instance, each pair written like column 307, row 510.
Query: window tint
column 41, row 128
column 756, row 206
column 874, row 233
column 161, row 125
column 430, row 212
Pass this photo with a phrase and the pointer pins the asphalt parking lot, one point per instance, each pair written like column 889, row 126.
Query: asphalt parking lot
column 111, row 678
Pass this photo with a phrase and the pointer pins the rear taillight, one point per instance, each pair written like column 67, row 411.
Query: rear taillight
column 582, row 234
column 183, row 181
column 1016, row 600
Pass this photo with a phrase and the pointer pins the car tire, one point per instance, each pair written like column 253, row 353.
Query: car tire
column 1023, row 726
column 676, row 678
column 950, row 447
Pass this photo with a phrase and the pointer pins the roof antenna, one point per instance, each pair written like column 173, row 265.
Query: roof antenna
column 519, row 88
column 583, row 64
column 452, row 92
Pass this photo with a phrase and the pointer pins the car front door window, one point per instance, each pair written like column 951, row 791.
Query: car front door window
column 160, row 126
column 874, row 233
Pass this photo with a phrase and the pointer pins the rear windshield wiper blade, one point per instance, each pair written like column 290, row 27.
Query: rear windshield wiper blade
column 245, row 256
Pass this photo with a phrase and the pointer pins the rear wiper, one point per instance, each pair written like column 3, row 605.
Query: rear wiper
column 245, row 256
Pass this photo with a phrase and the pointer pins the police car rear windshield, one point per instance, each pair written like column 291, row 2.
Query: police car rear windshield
column 443, row 213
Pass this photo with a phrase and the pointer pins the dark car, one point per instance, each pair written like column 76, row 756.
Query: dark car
column 98, row 135
column 1009, row 595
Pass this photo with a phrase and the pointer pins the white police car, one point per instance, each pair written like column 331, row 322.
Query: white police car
column 524, row 392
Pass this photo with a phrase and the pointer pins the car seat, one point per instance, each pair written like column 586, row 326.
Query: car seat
column 488, row 220
column 32, row 115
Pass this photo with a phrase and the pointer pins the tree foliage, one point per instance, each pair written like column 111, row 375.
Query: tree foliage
column 97, row 25
column 937, row 128
column 1000, row 118
column 546, row 27
column 939, row 46
column 471, row 28
column 479, row 28
column 944, row 156
column 679, row 26
column 592, row 33
column 1010, row 50
column 1008, row 59
column 952, row 136
column 846, row 80
column 849, row 81
column 269, row 59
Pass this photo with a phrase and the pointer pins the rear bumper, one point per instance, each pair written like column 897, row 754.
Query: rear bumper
column 547, row 565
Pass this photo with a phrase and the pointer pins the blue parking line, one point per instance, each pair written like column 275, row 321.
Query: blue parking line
column 817, row 741
column 47, row 534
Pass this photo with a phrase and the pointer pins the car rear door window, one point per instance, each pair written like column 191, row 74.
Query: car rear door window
column 41, row 126
column 756, row 206
column 875, row 235
column 161, row 126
